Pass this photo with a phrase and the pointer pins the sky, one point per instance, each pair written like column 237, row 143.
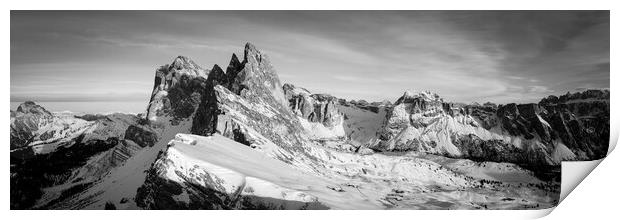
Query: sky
column 464, row 56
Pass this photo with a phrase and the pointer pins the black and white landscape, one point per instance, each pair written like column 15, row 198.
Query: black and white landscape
column 236, row 136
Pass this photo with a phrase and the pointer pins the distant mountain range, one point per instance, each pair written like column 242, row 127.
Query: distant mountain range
column 241, row 139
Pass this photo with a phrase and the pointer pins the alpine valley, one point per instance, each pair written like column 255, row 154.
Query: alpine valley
column 236, row 137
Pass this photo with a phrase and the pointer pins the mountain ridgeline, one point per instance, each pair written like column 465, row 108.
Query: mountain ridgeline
column 162, row 159
column 569, row 127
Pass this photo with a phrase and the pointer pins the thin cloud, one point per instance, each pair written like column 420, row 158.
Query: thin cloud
column 465, row 56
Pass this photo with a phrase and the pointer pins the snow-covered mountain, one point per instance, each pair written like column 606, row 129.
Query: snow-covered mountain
column 56, row 155
column 240, row 139
column 526, row 134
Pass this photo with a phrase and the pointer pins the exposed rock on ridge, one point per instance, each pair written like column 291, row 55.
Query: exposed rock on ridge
column 581, row 121
column 319, row 108
column 250, row 92
column 25, row 121
column 177, row 90
column 544, row 133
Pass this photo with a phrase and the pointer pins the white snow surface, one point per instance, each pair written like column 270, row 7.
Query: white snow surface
column 63, row 128
column 342, row 180
column 239, row 168
column 562, row 153
column 317, row 130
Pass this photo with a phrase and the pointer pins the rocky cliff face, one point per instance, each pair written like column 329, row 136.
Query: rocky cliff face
column 542, row 134
column 581, row 121
column 317, row 108
column 524, row 120
column 185, row 91
column 177, row 90
column 484, row 114
column 248, row 95
column 25, row 121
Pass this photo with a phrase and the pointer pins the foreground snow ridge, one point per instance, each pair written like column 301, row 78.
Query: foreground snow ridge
column 185, row 152
column 242, row 177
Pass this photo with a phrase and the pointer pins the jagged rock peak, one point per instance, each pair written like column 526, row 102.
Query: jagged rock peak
column 216, row 68
column 292, row 90
column 408, row 93
column 216, row 74
column 31, row 107
column 250, row 49
column 234, row 66
column 183, row 80
column 288, row 87
column 25, row 121
column 182, row 60
column 234, row 61
column 409, row 96
column 251, row 53
column 590, row 94
column 323, row 97
column 257, row 76
column 185, row 65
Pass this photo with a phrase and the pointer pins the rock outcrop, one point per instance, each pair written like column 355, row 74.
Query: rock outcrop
column 178, row 90
column 363, row 104
column 581, row 121
column 141, row 136
column 26, row 121
column 524, row 120
column 248, row 96
column 573, row 126
column 319, row 108
column 484, row 114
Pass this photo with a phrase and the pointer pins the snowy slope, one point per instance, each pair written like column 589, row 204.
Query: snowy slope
column 47, row 135
column 317, row 130
column 63, row 128
column 121, row 182
column 242, row 174
column 241, row 177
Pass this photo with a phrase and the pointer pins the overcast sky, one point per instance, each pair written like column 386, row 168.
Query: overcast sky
column 463, row 56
